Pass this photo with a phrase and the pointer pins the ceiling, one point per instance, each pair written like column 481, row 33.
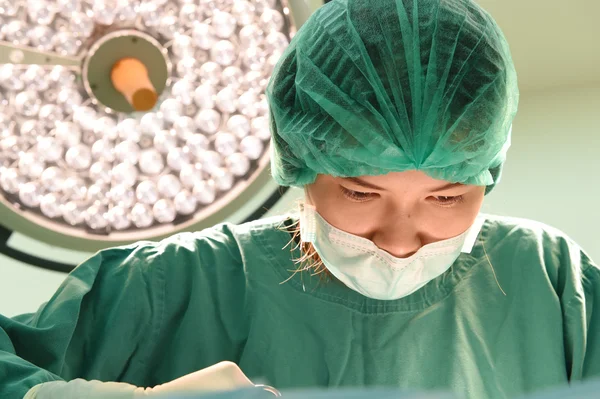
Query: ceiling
column 554, row 43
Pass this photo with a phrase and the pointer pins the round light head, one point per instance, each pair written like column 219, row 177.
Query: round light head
column 157, row 131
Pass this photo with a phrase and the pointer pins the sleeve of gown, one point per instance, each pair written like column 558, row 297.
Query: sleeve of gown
column 98, row 324
column 142, row 314
column 581, row 314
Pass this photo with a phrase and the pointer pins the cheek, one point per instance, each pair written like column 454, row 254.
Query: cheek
column 338, row 211
column 448, row 223
column 456, row 226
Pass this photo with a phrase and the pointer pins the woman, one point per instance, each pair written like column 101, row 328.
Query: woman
column 395, row 116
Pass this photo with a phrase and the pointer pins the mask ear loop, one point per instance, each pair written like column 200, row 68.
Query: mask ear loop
column 492, row 267
column 306, row 262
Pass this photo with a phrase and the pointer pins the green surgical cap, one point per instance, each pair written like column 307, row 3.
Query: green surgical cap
column 370, row 87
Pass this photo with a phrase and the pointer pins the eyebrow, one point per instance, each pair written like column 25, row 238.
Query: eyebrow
column 366, row 184
column 363, row 183
column 446, row 187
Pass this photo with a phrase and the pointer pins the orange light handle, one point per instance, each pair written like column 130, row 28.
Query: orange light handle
column 130, row 77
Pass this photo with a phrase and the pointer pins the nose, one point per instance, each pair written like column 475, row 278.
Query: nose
column 400, row 239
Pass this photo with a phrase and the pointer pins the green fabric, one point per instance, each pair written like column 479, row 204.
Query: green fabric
column 370, row 87
column 149, row 313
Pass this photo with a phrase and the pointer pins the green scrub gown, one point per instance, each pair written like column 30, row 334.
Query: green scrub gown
column 151, row 312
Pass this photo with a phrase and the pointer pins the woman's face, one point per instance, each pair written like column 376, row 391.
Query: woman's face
column 400, row 212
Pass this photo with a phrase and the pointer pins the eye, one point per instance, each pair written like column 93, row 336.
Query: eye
column 448, row 201
column 357, row 196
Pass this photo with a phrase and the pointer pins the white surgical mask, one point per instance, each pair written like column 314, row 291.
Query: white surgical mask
column 362, row 266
